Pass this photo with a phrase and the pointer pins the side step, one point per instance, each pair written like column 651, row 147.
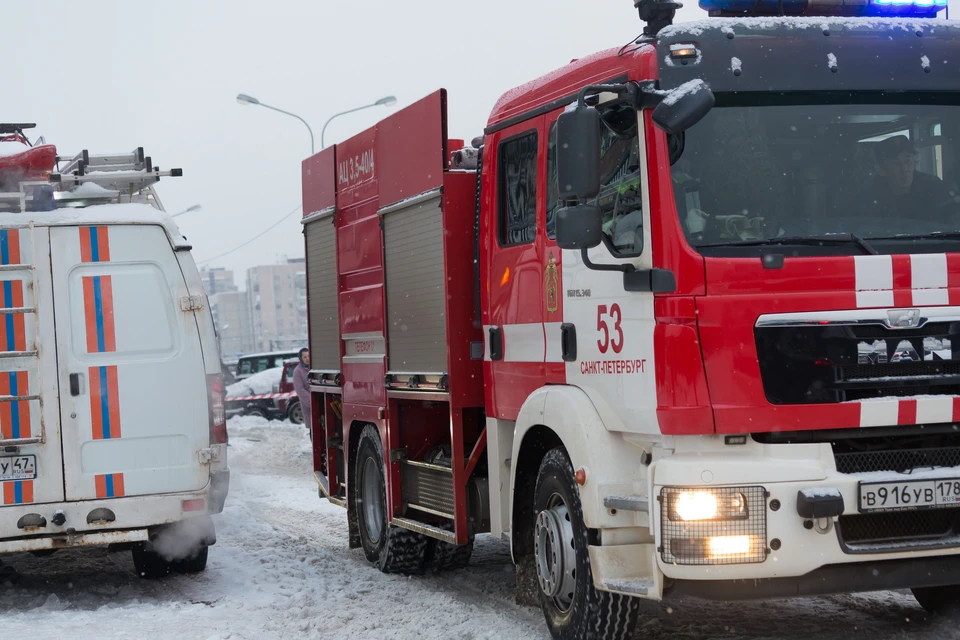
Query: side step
column 426, row 529
column 325, row 490
column 627, row 503
column 635, row 586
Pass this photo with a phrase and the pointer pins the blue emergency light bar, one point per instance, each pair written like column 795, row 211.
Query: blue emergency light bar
column 831, row 8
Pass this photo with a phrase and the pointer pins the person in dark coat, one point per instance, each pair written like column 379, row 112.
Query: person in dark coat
column 302, row 386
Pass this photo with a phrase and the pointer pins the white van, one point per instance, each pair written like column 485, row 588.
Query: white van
column 112, row 422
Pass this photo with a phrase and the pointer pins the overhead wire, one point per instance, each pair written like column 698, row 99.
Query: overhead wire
column 256, row 237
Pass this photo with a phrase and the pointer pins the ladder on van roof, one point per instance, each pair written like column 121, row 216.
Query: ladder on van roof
column 113, row 178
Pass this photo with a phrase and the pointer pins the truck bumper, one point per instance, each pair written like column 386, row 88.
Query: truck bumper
column 847, row 548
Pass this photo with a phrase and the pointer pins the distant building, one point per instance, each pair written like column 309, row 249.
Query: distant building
column 218, row 280
column 277, row 296
column 231, row 315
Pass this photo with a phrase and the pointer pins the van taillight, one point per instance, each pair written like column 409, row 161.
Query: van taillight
column 218, row 409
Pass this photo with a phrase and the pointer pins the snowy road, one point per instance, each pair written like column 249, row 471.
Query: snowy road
column 281, row 569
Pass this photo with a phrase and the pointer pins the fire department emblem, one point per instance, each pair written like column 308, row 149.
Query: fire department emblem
column 552, row 285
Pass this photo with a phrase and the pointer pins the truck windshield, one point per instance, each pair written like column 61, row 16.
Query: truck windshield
column 838, row 178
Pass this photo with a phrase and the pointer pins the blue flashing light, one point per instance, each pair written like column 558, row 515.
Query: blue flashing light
column 876, row 8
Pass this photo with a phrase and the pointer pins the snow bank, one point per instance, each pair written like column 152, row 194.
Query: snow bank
column 256, row 384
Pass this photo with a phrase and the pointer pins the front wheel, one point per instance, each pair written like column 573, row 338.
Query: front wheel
column 573, row 607
column 392, row 549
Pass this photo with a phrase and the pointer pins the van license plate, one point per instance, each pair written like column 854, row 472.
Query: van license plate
column 915, row 494
column 18, row 468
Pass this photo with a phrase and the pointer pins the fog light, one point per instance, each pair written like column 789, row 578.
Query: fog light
column 729, row 545
column 713, row 526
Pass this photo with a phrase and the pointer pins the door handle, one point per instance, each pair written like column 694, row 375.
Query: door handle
column 496, row 343
column 75, row 384
column 568, row 342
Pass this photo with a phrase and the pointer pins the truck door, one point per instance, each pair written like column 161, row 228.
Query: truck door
column 133, row 394
column 614, row 328
column 515, row 268
column 31, row 468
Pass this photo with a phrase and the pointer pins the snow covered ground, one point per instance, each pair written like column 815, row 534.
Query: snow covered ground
column 281, row 569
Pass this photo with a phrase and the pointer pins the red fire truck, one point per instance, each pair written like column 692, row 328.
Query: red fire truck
column 651, row 326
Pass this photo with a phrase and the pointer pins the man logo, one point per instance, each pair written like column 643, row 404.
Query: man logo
column 903, row 318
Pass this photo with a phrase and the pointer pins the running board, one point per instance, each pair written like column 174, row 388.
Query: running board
column 425, row 529
column 634, row 587
column 325, row 490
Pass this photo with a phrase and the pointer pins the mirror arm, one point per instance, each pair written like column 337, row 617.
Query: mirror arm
column 625, row 268
column 627, row 90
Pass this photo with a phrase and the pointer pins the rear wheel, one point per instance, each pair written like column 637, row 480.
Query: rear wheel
column 192, row 564
column 295, row 413
column 149, row 564
column 943, row 600
column 572, row 606
column 392, row 549
column 449, row 557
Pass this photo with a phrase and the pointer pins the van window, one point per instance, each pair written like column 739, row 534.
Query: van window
column 245, row 367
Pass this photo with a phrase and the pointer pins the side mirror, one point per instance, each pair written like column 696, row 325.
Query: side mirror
column 684, row 107
column 578, row 154
column 579, row 227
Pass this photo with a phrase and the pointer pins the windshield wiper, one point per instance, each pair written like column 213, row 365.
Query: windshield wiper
column 841, row 238
column 935, row 235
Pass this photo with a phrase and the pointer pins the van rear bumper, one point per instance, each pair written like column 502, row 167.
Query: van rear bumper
column 111, row 516
column 71, row 541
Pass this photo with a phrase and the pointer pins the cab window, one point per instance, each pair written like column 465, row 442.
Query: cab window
column 517, row 176
column 620, row 197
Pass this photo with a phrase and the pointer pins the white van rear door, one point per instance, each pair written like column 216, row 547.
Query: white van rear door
column 137, row 415
column 31, row 468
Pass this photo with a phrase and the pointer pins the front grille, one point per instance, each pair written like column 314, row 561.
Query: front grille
column 899, row 460
column 873, row 532
column 900, row 370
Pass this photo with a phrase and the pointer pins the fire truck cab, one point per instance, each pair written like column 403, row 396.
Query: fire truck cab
column 650, row 328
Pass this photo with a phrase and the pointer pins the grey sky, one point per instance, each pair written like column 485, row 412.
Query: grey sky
column 112, row 75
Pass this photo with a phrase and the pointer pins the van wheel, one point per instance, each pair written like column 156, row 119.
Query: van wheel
column 573, row 607
column 295, row 413
column 193, row 564
column 149, row 564
column 392, row 549
column 942, row 600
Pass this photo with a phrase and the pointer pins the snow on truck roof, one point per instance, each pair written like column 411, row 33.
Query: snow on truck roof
column 100, row 214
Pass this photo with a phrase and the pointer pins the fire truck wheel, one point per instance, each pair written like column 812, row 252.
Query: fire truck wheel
column 149, row 564
column 193, row 564
column 444, row 556
column 392, row 549
column 573, row 607
column 943, row 600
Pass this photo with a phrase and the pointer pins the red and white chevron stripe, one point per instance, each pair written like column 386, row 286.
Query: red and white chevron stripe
column 889, row 412
column 265, row 396
column 915, row 280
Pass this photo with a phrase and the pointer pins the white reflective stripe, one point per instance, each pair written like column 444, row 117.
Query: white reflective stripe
column 554, row 342
column 930, row 297
column 879, row 413
column 935, row 410
column 874, row 298
column 523, row 342
column 928, row 271
column 874, row 280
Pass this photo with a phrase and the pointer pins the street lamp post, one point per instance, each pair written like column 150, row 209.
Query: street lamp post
column 243, row 98
column 389, row 101
column 195, row 207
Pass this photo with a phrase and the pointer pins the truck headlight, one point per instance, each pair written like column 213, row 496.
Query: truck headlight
column 725, row 525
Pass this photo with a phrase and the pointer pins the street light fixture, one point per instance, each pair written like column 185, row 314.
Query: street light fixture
column 195, row 207
column 244, row 99
column 389, row 101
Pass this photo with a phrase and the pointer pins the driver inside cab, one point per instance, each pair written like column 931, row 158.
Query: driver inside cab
column 899, row 187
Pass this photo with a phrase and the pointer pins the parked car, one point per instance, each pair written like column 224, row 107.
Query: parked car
column 289, row 408
column 259, row 362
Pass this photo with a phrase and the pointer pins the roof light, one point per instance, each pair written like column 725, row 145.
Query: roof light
column 683, row 51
